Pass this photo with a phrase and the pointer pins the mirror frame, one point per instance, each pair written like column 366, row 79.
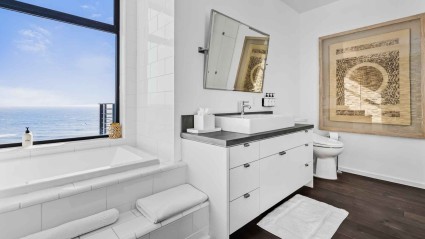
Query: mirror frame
column 207, row 51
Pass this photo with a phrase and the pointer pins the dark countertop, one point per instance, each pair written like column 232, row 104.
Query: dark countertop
column 228, row 139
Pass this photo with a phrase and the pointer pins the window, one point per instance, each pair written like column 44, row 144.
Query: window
column 58, row 69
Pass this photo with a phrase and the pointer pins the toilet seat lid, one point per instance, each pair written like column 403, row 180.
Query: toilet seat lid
column 322, row 141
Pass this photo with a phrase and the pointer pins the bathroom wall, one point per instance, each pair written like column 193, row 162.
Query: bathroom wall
column 192, row 28
column 389, row 158
column 155, row 77
column 127, row 93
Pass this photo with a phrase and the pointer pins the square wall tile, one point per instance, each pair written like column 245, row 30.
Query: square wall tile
column 166, row 151
column 20, row 223
column 179, row 229
column 106, row 234
column 202, row 234
column 169, row 31
column 72, row 208
column 129, row 192
column 147, row 144
column 169, row 179
column 125, row 207
column 165, row 51
column 169, row 65
column 157, row 68
column 201, row 219
column 134, row 228
column 165, row 83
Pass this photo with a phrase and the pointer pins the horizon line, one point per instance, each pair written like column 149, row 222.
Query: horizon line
column 51, row 106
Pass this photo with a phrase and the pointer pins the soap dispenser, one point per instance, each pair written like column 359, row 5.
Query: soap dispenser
column 266, row 100
column 27, row 139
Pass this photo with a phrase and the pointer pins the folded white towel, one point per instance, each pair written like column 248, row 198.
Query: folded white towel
column 78, row 227
column 161, row 206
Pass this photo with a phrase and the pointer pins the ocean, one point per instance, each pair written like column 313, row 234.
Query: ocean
column 47, row 123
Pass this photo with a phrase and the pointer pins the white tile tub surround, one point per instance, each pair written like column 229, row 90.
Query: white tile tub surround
column 47, row 171
column 191, row 224
column 68, row 209
column 51, row 207
column 123, row 196
column 19, row 223
column 155, row 77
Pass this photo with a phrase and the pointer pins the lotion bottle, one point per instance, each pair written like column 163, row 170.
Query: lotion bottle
column 27, row 139
column 267, row 100
column 271, row 100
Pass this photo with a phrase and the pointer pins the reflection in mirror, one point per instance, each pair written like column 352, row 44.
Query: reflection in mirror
column 236, row 56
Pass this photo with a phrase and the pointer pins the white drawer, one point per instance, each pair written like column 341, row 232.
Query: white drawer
column 305, row 157
column 244, row 153
column 244, row 179
column 244, row 209
column 306, row 174
column 284, row 142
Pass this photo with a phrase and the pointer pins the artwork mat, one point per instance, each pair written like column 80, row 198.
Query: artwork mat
column 417, row 132
column 404, row 50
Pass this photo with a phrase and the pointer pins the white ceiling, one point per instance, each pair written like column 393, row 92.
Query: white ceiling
column 306, row 5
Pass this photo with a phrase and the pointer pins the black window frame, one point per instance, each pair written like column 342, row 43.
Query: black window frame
column 55, row 15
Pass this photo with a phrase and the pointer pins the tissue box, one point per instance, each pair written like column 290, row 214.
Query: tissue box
column 204, row 122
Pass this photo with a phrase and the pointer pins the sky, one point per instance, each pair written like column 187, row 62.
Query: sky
column 49, row 63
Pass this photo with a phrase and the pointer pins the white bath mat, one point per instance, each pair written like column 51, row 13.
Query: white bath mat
column 303, row 218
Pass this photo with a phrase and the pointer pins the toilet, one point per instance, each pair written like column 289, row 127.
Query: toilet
column 326, row 151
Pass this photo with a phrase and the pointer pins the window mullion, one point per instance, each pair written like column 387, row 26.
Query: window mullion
column 57, row 15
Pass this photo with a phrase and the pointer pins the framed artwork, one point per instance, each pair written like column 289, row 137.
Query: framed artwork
column 372, row 79
column 252, row 64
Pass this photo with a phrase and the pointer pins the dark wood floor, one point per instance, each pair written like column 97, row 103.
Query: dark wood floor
column 377, row 209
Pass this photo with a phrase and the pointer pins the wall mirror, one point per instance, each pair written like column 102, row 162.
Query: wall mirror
column 236, row 56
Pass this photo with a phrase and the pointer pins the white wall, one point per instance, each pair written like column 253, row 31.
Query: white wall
column 192, row 24
column 395, row 159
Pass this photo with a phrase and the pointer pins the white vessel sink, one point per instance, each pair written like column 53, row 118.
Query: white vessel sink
column 253, row 123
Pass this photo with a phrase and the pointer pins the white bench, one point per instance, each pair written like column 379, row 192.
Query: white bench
column 190, row 224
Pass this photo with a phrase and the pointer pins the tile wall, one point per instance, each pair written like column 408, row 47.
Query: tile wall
column 155, row 77
column 121, row 196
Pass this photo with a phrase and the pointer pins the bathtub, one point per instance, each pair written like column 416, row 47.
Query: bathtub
column 30, row 174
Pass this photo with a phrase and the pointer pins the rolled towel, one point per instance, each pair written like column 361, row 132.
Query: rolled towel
column 161, row 206
column 78, row 227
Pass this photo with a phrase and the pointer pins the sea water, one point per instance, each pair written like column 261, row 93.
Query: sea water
column 48, row 123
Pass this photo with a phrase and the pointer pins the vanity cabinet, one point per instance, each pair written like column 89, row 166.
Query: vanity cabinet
column 244, row 180
column 283, row 173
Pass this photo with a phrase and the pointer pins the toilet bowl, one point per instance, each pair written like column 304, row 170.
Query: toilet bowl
column 326, row 151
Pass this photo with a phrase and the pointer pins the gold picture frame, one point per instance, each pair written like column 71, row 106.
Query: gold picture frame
column 372, row 79
column 252, row 65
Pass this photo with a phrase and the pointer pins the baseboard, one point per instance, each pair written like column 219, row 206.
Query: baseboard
column 383, row 177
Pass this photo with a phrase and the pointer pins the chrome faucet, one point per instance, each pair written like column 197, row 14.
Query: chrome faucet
column 244, row 105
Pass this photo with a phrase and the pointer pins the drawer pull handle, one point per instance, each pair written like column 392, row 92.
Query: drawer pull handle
column 246, row 195
column 306, row 131
column 307, row 164
column 282, row 153
column 246, row 145
column 306, row 145
column 247, row 165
